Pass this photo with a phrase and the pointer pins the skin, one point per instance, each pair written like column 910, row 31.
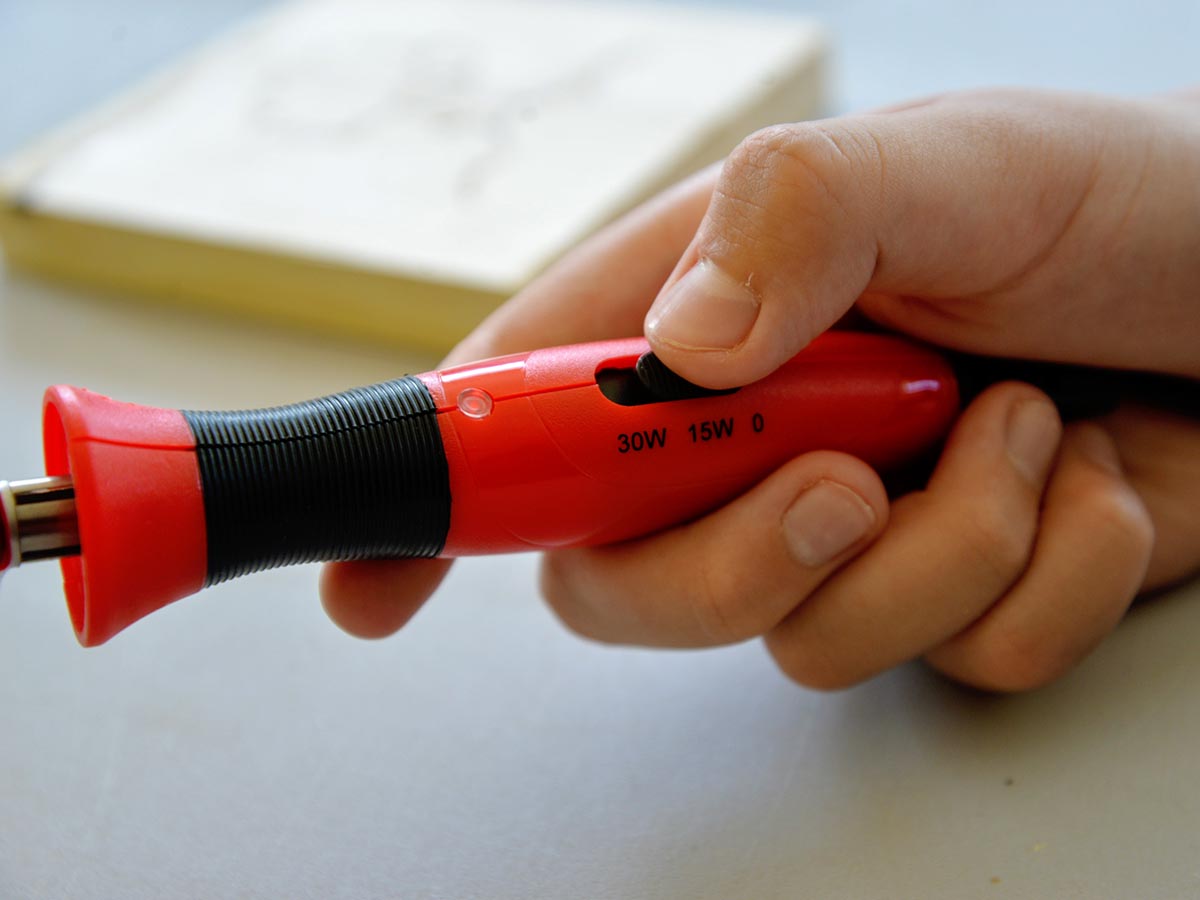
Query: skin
column 1027, row 224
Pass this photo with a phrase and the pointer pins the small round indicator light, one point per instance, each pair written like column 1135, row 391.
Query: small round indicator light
column 474, row 403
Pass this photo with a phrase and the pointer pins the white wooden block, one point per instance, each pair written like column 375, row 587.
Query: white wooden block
column 461, row 142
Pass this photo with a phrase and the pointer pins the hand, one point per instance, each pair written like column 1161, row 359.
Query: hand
column 1048, row 226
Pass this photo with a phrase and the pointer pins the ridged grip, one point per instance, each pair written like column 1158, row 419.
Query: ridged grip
column 355, row 475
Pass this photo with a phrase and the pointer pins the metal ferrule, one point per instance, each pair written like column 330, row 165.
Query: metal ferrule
column 41, row 518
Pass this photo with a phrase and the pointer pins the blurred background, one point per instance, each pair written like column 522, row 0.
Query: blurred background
column 240, row 746
column 59, row 57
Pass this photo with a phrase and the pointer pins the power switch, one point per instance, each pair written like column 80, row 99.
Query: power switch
column 650, row 382
column 663, row 384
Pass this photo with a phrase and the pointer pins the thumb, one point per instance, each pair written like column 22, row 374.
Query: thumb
column 949, row 197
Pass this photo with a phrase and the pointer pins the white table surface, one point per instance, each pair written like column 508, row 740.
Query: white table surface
column 237, row 745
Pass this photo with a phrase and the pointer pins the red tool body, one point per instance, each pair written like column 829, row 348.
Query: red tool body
column 559, row 447
column 556, row 463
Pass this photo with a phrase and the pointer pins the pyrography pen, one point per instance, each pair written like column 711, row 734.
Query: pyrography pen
column 587, row 444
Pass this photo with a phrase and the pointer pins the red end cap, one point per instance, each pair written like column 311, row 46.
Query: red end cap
column 139, row 503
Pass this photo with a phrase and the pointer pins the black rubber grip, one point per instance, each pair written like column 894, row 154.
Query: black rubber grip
column 356, row 475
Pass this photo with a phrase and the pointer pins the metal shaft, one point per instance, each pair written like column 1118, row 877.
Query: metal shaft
column 41, row 518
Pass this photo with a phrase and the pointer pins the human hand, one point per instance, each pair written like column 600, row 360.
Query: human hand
column 1047, row 226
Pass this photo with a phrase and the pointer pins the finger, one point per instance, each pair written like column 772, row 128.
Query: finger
column 729, row 576
column 1094, row 543
column 374, row 598
column 602, row 288
column 946, row 557
column 957, row 197
column 1160, row 453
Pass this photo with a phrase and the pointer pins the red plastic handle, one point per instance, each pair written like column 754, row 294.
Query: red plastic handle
column 537, row 456
column 540, row 457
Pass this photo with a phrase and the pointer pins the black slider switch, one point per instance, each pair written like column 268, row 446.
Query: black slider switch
column 663, row 384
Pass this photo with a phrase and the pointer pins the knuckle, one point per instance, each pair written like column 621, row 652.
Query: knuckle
column 556, row 586
column 774, row 169
column 1118, row 521
column 808, row 664
column 720, row 605
column 1000, row 543
column 1013, row 662
column 771, row 151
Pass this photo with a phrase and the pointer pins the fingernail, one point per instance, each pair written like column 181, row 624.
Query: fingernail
column 1034, row 430
column 706, row 309
column 824, row 522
